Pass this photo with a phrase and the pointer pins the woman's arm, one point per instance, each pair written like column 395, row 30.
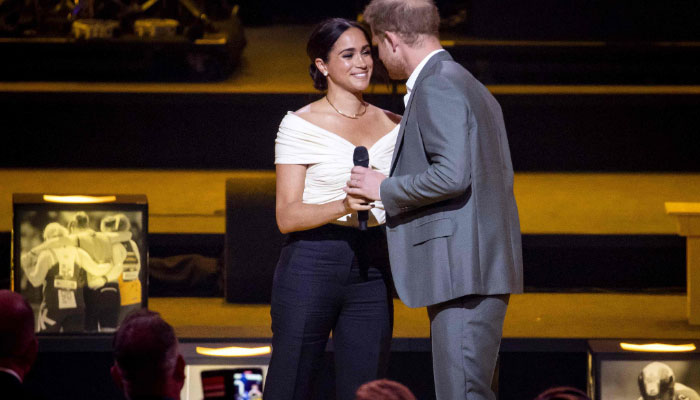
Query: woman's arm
column 293, row 215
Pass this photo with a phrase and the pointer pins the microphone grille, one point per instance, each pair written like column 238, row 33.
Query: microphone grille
column 360, row 156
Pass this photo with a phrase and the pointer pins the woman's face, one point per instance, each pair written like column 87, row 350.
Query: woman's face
column 349, row 62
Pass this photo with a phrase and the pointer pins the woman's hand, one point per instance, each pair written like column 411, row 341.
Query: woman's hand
column 294, row 215
column 356, row 203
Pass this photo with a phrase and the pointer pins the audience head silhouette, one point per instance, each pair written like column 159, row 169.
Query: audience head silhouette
column 147, row 362
column 18, row 344
column 563, row 393
column 383, row 389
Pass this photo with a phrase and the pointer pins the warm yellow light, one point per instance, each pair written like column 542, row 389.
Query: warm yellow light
column 234, row 351
column 658, row 347
column 79, row 199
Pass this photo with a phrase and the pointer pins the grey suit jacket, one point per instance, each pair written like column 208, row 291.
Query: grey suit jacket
column 452, row 222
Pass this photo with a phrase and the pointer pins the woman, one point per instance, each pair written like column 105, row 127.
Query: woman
column 331, row 276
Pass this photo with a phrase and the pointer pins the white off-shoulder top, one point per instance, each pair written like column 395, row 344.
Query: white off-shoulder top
column 329, row 160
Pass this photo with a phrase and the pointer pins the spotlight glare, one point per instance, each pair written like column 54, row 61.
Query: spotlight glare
column 658, row 347
column 234, row 351
column 79, row 199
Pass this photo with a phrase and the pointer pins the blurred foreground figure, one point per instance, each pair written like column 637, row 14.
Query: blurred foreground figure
column 147, row 362
column 18, row 345
column 383, row 389
column 563, row 393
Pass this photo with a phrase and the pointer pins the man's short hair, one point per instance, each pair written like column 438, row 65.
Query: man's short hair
column 407, row 18
column 145, row 348
column 17, row 327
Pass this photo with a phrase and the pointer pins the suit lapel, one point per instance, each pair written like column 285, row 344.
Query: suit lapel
column 399, row 138
column 441, row 56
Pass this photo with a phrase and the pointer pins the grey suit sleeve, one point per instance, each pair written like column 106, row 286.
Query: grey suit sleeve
column 443, row 119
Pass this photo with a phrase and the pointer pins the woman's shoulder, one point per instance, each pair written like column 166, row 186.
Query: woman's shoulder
column 304, row 110
column 311, row 113
column 383, row 114
column 395, row 118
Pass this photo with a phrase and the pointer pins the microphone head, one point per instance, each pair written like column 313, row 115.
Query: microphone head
column 360, row 157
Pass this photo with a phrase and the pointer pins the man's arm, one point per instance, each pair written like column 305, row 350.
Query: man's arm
column 118, row 237
column 55, row 242
column 443, row 119
column 88, row 264
column 35, row 269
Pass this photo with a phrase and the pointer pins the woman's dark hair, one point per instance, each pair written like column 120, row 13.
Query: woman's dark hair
column 321, row 42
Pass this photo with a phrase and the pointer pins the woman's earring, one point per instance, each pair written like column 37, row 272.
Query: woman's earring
column 325, row 73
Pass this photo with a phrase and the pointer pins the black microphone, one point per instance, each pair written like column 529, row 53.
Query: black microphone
column 360, row 157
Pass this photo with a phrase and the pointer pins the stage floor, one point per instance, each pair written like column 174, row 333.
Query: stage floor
column 530, row 316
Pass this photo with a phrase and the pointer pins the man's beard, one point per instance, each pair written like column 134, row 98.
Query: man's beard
column 396, row 68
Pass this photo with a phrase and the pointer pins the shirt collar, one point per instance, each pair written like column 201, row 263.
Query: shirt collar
column 414, row 75
column 11, row 372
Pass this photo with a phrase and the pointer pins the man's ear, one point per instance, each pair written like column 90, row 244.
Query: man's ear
column 393, row 40
column 117, row 376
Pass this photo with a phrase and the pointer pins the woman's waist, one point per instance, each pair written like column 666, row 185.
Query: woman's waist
column 377, row 215
column 334, row 231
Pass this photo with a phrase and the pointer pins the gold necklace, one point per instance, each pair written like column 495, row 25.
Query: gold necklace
column 353, row 116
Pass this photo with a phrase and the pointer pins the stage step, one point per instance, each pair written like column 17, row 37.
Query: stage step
column 550, row 128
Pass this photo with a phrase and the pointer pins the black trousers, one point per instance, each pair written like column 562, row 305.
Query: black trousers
column 330, row 279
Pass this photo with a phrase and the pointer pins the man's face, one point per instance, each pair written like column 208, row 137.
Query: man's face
column 394, row 63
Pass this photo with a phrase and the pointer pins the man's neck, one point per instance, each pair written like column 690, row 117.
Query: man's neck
column 414, row 55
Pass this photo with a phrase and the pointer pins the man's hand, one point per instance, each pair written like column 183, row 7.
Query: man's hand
column 364, row 182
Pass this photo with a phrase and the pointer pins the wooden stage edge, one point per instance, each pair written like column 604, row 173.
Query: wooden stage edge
column 530, row 316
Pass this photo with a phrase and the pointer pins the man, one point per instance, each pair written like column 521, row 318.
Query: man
column 452, row 222
column 147, row 363
column 18, row 344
